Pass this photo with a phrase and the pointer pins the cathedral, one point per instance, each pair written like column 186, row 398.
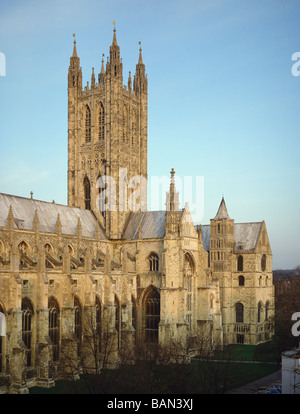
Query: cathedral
column 103, row 267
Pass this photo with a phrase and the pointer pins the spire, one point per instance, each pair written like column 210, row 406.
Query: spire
column 129, row 82
column 140, row 82
column 222, row 212
column 75, row 75
column 101, row 76
column 74, row 48
column 115, row 66
column 114, row 37
column 140, row 56
column 93, row 78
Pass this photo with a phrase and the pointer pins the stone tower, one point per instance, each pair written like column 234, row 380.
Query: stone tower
column 107, row 141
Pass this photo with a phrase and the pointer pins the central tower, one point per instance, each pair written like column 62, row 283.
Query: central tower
column 107, row 140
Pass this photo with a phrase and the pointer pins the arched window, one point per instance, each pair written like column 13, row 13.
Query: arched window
column 153, row 262
column 54, row 327
column 87, row 124
column 260, row 281
column 240, row 264
column 188, row 270
column 98, row 322
column 77, row 321
column 241, row 281
column 117, row 319
column 239, row 313
column 87, row 193
column 23, row 248
column 27, row 314
column 259, row 312
column 267, row 310
column 152, row 316
column 101, row 122
column 23, row 251
column 263, row 262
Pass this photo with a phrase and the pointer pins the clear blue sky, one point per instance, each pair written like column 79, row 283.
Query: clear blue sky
column 223, row 102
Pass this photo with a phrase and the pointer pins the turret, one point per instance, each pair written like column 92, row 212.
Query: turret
column 140, row 83
column 114, row 66
column 221, row 239
column 172, row 207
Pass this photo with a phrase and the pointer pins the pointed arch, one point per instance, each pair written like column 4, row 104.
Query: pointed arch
column 239, row 312
column 151, row 305
column 263, row 262
column 189, row 267
column 267, row 310
column 27, row 331
column 54, row 326
column 87, row 120
column 78, row 321
column 87, row 193
column 259, row 310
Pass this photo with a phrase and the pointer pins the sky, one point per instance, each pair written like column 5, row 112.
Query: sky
column 223, row 100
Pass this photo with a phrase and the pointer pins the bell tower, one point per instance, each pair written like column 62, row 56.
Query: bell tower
column 107, row 140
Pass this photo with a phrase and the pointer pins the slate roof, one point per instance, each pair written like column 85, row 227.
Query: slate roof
column 245, row 235
column 24, row 210
column 152, row 224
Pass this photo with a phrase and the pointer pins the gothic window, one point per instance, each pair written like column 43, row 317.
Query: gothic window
column 101, row 122
column 98, row 322
column 87, row 193
column 54, row 326
column 77, row 321
column 152, row 316
column 87, row 124
column 153, row 262
column 241, row 281
column 263, row 262
column 23, row 250
column 260, row 281
column 239, row 313
column 240, row 264
column 267, row 310
column 27, row 314
column 188, row 270
column 259, row 312
column 117, row 319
